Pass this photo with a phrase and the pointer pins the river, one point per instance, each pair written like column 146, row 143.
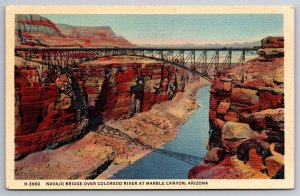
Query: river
column 191, row 139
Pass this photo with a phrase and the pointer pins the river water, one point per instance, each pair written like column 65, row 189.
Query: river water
column 191, row 139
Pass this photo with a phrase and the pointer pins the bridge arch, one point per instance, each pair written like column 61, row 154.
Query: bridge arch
column 172, row 63
column 194, row 60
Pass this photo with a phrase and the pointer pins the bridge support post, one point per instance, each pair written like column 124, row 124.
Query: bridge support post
column 205, row 62
column 230, row 58
column 193, row 59
column 242, row 57
column 215, row 63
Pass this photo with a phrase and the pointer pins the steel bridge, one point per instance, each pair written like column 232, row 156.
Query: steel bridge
column 203, row 62
column 113, row 132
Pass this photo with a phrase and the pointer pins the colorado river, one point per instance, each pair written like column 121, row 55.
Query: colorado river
column 191, row 139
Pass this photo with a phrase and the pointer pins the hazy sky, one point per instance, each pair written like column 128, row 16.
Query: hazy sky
column 182, row 29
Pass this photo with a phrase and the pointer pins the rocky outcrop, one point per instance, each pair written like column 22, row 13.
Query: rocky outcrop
column 48, row 115
column 35, row 30
column 247, row 120
column 229, row 168
column 35, row 23
column 234, row 134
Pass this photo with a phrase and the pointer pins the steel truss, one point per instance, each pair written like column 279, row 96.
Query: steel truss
column 57, row 61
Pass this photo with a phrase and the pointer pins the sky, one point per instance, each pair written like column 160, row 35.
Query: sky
column 195, row 29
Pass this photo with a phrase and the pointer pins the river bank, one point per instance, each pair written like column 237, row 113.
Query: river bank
column 155, row 127
column 174, row 159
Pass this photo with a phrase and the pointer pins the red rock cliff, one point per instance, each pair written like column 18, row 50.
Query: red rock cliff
column 50, row 114
column 44, row 115
column 117, row 90
column 247, row 123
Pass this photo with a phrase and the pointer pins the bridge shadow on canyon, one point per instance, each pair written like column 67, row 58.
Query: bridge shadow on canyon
column 116, row 133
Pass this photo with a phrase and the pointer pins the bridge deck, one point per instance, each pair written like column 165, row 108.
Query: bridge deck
column 194, row 60
column 137, row 48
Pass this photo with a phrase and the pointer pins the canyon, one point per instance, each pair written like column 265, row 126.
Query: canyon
column 143, row 98
column 49, row 115
column 62, row 118
column 59, row 117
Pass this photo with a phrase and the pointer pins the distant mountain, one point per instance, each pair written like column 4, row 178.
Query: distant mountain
column 189, row 45
column 234, row 45
column 94, row 36
column 35, row 30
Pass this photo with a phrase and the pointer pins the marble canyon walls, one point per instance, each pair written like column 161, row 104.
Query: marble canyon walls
column 247, row 123
column 48, row 115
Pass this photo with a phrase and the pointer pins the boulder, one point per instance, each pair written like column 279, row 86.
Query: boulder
column 236, row 76
column 214, row 155
column 223, row 107
column 255, row 83
column 245, row 96
column 231, row 116
column 219, row 86
column 270, row 118
column 234, row 133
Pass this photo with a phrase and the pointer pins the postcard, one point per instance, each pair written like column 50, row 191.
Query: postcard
column 149, row 97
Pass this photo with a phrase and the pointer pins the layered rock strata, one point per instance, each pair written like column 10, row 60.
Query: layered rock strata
column 247, row 123
column 105, row 154
column 53, row 113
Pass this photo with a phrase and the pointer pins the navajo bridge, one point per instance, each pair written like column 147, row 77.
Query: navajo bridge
column 203, row 62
